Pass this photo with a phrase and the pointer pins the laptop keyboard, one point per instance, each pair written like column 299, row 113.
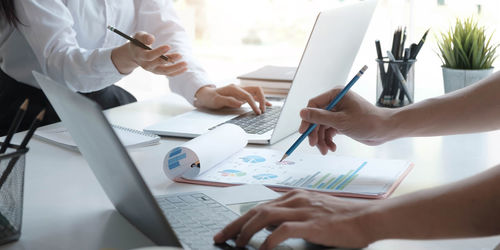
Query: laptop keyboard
column 196, row 218
column 257, row 124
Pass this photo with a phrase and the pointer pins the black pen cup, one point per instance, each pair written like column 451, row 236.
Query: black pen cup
column 395, row 82
column 11, row 193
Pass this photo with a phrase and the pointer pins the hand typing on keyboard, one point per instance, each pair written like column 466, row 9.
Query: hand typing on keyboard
column 196, row 218
column 257, row 124
column 231, row 96
column 317, row 218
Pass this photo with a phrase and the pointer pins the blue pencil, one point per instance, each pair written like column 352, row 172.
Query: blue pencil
column 329, row 107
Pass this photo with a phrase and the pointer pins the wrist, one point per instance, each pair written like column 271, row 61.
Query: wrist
column 201, row 94
column 202, row 90
column 382, row 122
column 372, row 222
column 393, row 123
column 122, row 60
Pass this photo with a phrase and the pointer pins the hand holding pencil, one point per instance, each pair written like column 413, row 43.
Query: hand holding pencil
column 354, row 117
column 332, row 102
column 138, row 52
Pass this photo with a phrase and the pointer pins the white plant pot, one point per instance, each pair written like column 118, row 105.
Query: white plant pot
column 458, row 78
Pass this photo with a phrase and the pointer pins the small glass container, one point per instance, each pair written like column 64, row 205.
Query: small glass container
column 391, row 91
column 11, row 193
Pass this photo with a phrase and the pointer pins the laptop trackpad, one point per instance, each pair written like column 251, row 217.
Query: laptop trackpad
column 193, row 123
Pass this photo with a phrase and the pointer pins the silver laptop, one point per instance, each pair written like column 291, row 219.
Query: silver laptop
column 326, row 62
column 189, row 220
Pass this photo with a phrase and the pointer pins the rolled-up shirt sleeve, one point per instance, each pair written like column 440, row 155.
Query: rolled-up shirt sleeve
column 158, row 17
column 48, row 28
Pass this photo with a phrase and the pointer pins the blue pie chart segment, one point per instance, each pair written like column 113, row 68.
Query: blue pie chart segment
column 253, row 159
column 265, row 176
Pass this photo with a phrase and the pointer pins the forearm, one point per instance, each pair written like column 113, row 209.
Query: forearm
column 472, row 109
column 467, row 208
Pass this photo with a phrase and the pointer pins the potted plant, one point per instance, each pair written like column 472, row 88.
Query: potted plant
column 467, row 54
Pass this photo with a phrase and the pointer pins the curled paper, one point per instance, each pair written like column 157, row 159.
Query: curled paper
column 202, row 153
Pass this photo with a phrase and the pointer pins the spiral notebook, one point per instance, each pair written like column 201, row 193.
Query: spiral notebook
column 58, row 135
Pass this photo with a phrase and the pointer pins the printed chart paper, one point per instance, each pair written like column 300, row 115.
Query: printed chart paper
column 312, row 172
column 220, row 158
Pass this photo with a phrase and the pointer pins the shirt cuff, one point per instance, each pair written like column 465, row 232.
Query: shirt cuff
column 101, row 72
column 105, row 65
column 188, row 83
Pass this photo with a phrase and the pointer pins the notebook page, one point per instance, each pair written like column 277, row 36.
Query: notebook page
column 59, row 135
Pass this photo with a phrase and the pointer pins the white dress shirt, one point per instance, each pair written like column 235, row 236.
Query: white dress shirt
column 68, row 41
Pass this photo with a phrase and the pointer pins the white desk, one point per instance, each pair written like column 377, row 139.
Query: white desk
column 65, row 208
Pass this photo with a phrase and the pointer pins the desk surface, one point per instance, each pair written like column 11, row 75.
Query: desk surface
column 65, row 208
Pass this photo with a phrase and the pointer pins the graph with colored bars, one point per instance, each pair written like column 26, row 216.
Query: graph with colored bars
column 174, row 158
column 324, row 181
column 329, row 174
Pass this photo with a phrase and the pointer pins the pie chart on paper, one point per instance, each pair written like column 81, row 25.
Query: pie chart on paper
column 232, row 172
column 261, row 177
column 253, row 159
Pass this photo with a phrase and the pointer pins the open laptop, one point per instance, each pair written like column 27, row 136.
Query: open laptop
column 189, row 220
column 326, row 61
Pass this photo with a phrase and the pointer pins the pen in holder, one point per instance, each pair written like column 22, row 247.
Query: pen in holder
column 395, row 82
column 11, row 193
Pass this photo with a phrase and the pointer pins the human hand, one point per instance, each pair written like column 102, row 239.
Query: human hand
column 129, row 56
column 352, row 116
column 231, row 96
column 317, row 218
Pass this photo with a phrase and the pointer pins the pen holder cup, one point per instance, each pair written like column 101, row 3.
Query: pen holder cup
column 11, row 193
column 392, row 91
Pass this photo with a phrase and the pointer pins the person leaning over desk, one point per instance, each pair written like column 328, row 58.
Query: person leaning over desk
column 69, row 42
column 467, row 208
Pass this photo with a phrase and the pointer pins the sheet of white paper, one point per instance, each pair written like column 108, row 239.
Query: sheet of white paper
column 308, row 171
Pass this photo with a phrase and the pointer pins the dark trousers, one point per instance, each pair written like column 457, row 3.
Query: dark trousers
column 13, row 93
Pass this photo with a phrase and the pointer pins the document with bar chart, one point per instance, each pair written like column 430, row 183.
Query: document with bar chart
column 337, row 175
column 198, row 161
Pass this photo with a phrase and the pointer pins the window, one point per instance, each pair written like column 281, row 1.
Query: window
column 231, row 37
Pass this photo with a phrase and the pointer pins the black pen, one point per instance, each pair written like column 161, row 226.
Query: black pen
column 392, row 85
column 413, row 47
column 379, row 50
column 419, row 45
column 134, row 41
column 402, row 47
column 381, row 64
column 405, row 60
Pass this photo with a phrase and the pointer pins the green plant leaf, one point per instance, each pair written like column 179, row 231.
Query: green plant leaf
column 466, row 46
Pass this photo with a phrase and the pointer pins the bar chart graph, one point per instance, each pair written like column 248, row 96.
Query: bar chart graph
column 337, row 175
column 324, row 181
